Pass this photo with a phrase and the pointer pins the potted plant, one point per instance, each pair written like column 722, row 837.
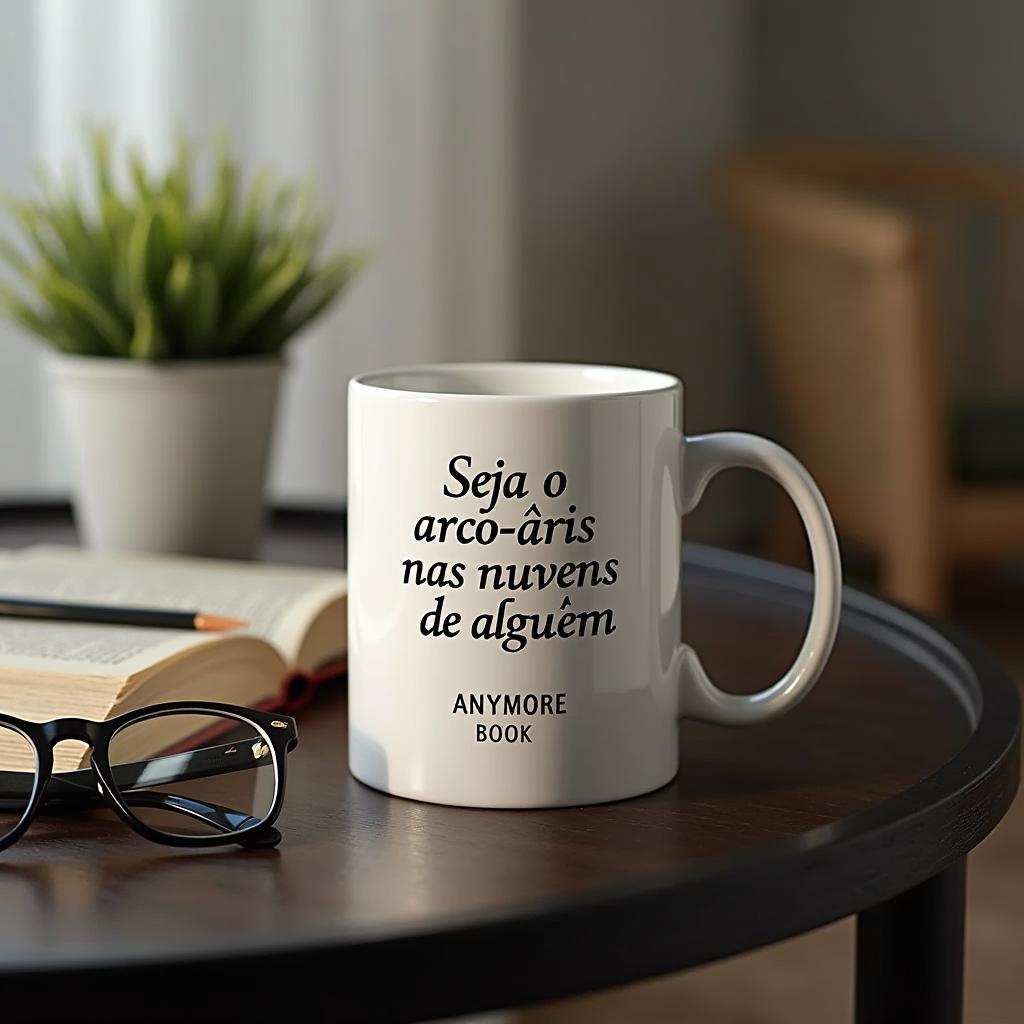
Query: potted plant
column 168, row 308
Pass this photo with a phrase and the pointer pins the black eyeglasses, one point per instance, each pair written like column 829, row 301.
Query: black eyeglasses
column 184, row 774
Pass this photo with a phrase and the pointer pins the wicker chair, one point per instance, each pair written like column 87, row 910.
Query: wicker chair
column 857, row 259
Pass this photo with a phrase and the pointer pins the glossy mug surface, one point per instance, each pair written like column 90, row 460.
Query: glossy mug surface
column 514, row 584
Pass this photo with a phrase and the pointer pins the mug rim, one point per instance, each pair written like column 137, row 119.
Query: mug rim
column 606, row 380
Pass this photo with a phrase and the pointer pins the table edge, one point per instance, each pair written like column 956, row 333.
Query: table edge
column 614, row 936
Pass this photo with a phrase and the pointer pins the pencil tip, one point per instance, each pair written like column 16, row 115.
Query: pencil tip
column 217, row 623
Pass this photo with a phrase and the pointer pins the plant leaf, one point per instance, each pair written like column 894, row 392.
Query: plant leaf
column 75, row 302
column 22, row 313
column 137, row 257
column 14, row 258
column 82, row 257
column 241, row 248
column 178, row 181
column 100, row 140
column 202, row 317
column 149, row 340
column 174, row 218
column 179, row 285
column 274, row 290
column 140, row 177
column 221, row 207
column 324, row 287
column 30, row 219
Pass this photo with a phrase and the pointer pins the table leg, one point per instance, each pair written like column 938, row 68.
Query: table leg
column 910, row 954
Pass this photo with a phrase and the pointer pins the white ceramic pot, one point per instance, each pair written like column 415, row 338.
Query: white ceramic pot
column 170, row 457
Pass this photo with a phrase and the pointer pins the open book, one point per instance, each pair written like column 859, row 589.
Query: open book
column 58, row 669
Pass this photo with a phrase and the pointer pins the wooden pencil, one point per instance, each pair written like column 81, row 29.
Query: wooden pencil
column 164, row 618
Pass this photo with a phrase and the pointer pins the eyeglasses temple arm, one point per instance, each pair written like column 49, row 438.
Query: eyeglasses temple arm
column 221, row 818
column 78, row 789
column 205, row 762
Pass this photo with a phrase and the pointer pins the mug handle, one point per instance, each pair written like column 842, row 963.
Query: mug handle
column 702, row 458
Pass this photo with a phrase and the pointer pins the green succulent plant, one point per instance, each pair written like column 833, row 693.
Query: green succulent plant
column 157, row 271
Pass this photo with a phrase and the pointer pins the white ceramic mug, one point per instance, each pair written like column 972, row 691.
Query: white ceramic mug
column 514, row 584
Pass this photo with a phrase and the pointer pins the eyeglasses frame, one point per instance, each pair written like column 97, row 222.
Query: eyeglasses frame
column 279, row 732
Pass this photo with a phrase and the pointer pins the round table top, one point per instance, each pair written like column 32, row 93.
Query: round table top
column 901, row 760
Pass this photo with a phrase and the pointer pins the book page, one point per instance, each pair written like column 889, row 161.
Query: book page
column 278, row 602
column 83, row 649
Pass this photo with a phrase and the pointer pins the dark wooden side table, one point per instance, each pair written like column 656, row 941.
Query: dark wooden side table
column 866, row 800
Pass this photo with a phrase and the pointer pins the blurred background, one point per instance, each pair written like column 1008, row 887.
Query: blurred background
column 813, row 212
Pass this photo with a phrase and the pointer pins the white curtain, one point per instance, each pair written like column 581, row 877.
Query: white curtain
column 401, row 111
